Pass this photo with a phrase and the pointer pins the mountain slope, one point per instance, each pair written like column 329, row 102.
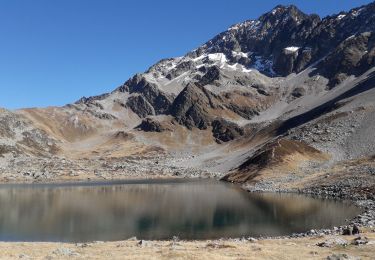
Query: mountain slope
column 286, row 79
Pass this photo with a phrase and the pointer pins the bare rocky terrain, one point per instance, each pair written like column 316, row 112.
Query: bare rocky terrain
column 250, row 105
column 282, row 103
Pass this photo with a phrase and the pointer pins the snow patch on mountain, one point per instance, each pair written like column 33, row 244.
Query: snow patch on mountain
column 264, row 65
column 238, row 67
column 239, row 54
column 220, row 57
column 355, row 13
column 291, row 49
column 249, row 24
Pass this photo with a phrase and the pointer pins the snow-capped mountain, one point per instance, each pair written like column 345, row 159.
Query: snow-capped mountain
column 285, row 75
column 248, row 68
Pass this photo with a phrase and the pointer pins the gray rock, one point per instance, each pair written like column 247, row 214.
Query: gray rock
column 140, row 106
column 225, row 131
column 332, row 242
column 355, row 230
column 190, row 107
column 360, row 241
column 252, row 240
column 341, row 257
column 347, row 231
column 62, row 251
column 152, row 125
column 143, row 243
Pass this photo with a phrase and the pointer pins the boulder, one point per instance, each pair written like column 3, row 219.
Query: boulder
column 355, row 230
column 332, row 242
column 360, row 241
column 298, row 92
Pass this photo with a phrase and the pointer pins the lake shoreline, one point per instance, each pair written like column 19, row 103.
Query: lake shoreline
column 246, row 248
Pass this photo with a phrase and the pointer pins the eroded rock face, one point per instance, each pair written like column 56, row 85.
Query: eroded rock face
column 180, row 69
column 353, row 56
column 212, row 74
column 190, row 108
column 152, row 125
column 140, row 106
column 285, row 62
column 225, row 131
column 159, row 101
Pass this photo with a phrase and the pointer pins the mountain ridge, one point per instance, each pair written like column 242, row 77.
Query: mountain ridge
column 261, row 87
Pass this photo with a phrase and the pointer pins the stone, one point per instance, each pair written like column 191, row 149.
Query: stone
column 62, row 251
column 143, row 243
column 298, row 92
column 347, row 231
column 252, row 240
column 355, row 230
column 360, row 241
column 340, row 257
column 332, row 242
column 83, row 245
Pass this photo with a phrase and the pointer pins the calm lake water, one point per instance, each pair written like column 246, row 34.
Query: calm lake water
column 157, row 210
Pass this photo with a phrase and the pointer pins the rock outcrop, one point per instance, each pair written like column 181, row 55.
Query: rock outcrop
column 152, row 125
column 225, row 131
column 191, row 107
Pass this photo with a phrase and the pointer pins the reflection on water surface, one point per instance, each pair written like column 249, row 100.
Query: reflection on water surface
column 157, row 210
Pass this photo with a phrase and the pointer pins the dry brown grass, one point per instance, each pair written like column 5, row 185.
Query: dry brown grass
column 274, row 160
column 56, row 123
column 303, row 248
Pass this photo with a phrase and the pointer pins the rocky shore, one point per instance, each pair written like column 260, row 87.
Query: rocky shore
column 365, row 220
column 354, row 240
column 351, row 180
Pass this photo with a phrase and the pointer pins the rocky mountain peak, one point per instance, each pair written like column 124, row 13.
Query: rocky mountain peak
column 282, row 12
column 237, row 73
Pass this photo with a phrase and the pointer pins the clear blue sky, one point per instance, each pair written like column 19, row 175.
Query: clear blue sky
column 54, row 52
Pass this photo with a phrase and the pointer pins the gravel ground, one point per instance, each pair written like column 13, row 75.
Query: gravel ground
column 29, row 169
